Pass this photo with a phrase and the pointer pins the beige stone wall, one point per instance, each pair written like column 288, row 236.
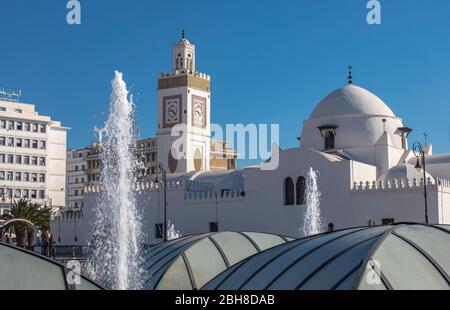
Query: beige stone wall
column 183, row 81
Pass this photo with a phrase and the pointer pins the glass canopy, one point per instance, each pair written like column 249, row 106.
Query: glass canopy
column 403, row 256
column 190, row 262
column 24, row 270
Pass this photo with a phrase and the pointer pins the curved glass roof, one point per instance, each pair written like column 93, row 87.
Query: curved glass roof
column 24, row 270
column 190, row 262
column 402, row 256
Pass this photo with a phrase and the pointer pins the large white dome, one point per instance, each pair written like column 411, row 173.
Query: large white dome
column 351, row 100
column 359, row 119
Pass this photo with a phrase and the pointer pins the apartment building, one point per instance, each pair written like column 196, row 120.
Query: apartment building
column 32, row 156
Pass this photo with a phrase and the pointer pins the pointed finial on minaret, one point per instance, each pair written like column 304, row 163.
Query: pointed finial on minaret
column 183, row 36
column 350, row 75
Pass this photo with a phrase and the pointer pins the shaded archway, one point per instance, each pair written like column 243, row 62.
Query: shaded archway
column 289, row 193
column 11, row 222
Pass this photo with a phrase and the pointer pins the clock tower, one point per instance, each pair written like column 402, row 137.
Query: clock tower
column 184, row 131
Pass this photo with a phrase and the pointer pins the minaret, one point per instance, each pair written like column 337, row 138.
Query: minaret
column 184, row 104
column 184, row 55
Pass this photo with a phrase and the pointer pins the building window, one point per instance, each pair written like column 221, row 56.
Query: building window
column 10, row 141
column 42, row 177
column 10, row 176
column 35, row 127
column 329, row 140
column 2, row 175
column 17, row 193
column 26, row 193
column 34, row 177
column 18, row 111
column 34, row 160
column 159, row 234
column 35, row 144
column 288, row 192
column 301, row 188
column 27, row 127
column 41, row 194
column 11, row 125
column 19, row 159
column 10, row 159
column 387, row 221
column 214, row 227
column 43, row 128
column 26, row 160
column 2, row 141
column 33, row 194
column 19, row 142
column 42, row 161
column 26, row 177
column 42, row 145
column 18, row 176
column 2, row 123
column 2, row 158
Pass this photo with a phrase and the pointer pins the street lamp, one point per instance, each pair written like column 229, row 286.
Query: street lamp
column 420, row 155
column 158, row 168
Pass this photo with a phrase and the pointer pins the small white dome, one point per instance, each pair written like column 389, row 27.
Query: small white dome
column 403, row 172
column 184, row 42
column 351, row 100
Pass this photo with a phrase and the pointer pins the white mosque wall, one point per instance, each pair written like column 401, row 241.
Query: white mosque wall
column 347, row 200
column 262, row 207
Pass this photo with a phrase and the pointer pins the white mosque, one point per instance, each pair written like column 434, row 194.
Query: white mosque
column 368, row 173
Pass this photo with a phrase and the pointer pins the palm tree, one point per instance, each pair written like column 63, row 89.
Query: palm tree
column 35, row 213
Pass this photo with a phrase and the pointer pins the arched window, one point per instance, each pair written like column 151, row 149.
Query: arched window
column 289, row 194
column 329, row 140
column 301, row 188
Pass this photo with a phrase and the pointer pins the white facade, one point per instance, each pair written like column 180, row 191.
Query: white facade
column 367, row 176
column 32, row 156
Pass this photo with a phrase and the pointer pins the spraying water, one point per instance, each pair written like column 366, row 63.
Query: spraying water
column 172, row 233
column 312, row 223
column 115, row 239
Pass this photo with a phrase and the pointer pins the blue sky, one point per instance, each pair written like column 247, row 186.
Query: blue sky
column 270, row 61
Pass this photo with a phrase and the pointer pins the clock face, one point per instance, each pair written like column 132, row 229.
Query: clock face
column 172, row 112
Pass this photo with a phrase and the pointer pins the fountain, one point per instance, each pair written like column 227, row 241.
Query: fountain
column 312, row 222
column 115, row 241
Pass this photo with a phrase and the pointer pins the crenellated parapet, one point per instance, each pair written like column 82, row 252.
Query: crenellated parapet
column 172, row 185
column 176, row 73
column 143, row 186
column 214, row 196
column 399, row 185
column 69, row 216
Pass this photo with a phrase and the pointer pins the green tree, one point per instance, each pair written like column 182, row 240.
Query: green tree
column 35, row 213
